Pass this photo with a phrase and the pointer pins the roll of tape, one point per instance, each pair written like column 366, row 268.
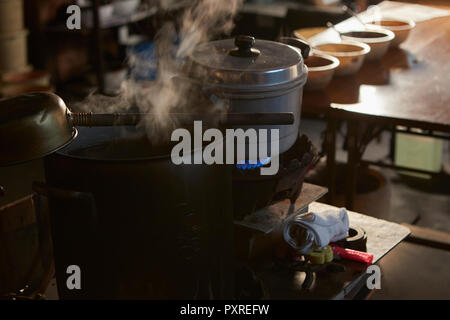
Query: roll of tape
column 356, row 240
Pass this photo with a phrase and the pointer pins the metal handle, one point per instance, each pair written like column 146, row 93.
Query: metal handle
column 332, row 26
column 304, row 47
column 47, row 191
column 85, row 198
column 262, row 118
column 90, row 119
column 232, row 119
column 353, row 14
column 245, row 48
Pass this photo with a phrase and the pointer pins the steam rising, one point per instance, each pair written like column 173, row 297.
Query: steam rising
column 199, row 21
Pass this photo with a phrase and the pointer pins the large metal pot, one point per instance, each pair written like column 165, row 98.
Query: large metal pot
column 255, row 76
column 137, row 225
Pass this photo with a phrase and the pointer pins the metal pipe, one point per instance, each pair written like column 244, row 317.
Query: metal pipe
column 353, row 14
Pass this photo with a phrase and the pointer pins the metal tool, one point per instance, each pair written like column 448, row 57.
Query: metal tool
column 353, row 14
column 330, row 25
column 37, row 124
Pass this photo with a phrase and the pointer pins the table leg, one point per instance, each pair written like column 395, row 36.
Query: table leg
column 352, row 163
column 331, row 158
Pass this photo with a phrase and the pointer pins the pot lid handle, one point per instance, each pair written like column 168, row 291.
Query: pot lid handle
column 245, row 48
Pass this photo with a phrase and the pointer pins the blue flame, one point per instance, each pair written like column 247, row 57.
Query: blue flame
column 245, row 165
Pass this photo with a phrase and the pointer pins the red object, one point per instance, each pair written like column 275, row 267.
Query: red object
column 352, row 254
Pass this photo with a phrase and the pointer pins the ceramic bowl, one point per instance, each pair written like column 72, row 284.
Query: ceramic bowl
column 321, row 68
column 378, row 39
column 350, row 54
column 401, row 28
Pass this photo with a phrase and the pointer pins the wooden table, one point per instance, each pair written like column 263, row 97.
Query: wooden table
column 410, row 87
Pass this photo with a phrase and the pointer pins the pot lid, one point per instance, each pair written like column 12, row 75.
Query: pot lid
column 246, row 61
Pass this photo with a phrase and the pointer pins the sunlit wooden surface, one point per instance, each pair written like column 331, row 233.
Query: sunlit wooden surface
column 410, row 85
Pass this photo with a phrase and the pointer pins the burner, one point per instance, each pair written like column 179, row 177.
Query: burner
column 252, row 191
column 246, row 165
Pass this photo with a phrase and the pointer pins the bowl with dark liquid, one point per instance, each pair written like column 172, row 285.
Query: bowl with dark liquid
column 378, row 40
column 350, row 54
column 401, row 28
column 321, row 69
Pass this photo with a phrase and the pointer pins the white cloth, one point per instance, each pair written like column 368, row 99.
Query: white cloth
column 321, row 228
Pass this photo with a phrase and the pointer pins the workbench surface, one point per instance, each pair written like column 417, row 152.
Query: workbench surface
column 382, row 237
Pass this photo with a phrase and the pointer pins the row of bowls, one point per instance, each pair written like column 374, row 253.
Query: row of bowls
column 346, row 57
